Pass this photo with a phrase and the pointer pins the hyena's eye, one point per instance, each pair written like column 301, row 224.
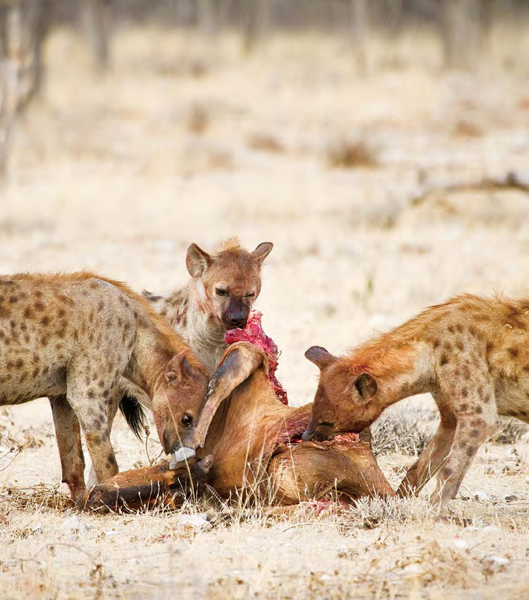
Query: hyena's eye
column 250, row 295
column 221, row 292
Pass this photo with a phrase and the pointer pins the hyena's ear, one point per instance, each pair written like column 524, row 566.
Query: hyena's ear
column 261, row 252
column 366, row 385
column 178, row 368
column 319, row 356
column 197, row 261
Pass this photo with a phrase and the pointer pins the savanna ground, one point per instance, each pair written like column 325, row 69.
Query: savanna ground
column 188, row 140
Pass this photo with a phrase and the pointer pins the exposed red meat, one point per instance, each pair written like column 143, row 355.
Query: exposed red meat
column 254, row 334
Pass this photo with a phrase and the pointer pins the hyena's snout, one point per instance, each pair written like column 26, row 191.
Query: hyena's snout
column 237, row 314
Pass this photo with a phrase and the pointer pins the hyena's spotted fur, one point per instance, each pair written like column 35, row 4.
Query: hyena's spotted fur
column 219, row 297
column 471, row 353
column 71, row 338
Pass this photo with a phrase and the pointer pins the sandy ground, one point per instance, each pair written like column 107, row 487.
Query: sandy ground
column 186, row 141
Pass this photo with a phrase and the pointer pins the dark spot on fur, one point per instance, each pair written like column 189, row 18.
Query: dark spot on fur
column 478, row 409
column 447, row 471
column 471, row 450
column 447, row 346
column 514, row 318
column 19, row 363
column 444, row 359
column 45, row 320
column 13, row 299
column 513, row 352
column 100, row 306
column 28, row 312
column 61, row 313
column 460, row 346
column 101, row 383
column 451, row 328
column 459, row 328
column 91, row 394
column 464, row 392
column 464, row 407
column 106, row 394
column 39, row 306
column 475, row 433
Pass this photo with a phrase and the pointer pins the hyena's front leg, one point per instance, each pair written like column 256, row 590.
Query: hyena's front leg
column 471, row 432
column 112, row 409
column 68, row 435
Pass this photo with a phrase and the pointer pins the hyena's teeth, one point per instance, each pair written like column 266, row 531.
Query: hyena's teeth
column 181, row 455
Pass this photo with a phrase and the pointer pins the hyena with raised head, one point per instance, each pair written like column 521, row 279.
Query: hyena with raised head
column 471, row 353
column 72, row 338
column 219, row 297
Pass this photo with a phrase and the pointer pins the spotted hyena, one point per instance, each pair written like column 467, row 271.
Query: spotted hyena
column 219, row 297
column 471, row 353
column 71, row 338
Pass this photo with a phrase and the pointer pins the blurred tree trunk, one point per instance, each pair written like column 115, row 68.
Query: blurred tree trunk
column 97, row 23
column 461, row 29
column 359, row 10
column 11, row 63
column 255, row 20
column 206, row 16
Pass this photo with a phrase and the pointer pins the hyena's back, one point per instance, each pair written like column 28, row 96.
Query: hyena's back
column 55, row 329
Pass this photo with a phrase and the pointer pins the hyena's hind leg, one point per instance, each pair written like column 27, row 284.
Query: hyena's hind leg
column 431, row 459
column 68, row 434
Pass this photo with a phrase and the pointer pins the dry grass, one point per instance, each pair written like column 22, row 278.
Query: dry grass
column 467, row 129
column 265, row 142
column 198, row 119
column 348, row 154
column 404, row 432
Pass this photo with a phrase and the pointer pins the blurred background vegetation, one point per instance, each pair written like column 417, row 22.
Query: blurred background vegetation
column 465, row 33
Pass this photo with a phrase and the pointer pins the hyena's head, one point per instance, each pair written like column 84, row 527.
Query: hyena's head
column 345, row 401
column 229, row 281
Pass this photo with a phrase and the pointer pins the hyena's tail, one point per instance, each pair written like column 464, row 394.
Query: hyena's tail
column 133, row 412
column 133, row 399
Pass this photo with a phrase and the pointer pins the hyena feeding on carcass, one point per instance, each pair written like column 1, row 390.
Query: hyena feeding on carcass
column 219, row 297
column 471, row 353
column 72, row 338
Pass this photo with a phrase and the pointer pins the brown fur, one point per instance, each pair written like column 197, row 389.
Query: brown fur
column 471, row 353
column 72, row 337
column 198, row 312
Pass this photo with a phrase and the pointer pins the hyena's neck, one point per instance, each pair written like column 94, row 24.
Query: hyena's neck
column 400, row 371
column 188, row 312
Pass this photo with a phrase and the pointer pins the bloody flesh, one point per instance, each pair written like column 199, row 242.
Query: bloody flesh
column 254, row 334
